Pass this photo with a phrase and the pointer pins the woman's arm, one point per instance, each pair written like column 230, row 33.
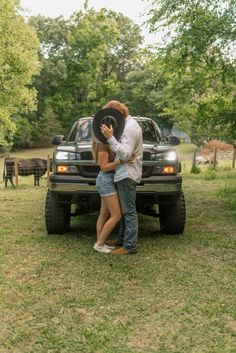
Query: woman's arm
column 103, row 163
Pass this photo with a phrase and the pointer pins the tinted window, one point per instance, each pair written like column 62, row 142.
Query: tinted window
column 82, row 131
column 150, row 132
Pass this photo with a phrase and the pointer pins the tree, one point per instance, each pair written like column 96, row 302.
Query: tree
column 201, row 62
column 18, row 63
column 144, row 91
column 84, row 61
column 197, row 28
column 48, row 126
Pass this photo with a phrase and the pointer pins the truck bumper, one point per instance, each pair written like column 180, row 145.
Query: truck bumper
column 154, row 190
column 161, row 184
column 158, row 190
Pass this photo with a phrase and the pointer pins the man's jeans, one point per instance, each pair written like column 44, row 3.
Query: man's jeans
column 128, row 229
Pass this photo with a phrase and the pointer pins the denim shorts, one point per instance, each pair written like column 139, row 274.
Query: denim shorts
column 105, row 184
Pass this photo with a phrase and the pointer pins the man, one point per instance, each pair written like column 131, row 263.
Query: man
column 126, row 176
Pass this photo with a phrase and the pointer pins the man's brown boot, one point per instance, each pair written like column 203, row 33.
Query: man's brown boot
column 122, row 251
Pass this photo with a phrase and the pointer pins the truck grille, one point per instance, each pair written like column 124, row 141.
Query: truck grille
column 92, row 171
column 147, row 171
column 88, row 170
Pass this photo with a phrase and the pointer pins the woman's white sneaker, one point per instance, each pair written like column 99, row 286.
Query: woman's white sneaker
column 110, row 247
column 102, row 248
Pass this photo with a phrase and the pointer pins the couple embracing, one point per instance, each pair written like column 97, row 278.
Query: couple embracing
column 120, row 162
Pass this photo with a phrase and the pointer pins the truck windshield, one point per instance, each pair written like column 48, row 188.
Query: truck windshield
column 150, row 132
column 83, row 131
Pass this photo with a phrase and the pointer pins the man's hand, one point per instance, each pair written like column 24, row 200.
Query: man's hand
column 131, row 160
column 106, row 131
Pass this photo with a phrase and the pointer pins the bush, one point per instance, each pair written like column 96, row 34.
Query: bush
column 48, row 126
column 195, row 169
column 210, row 174
column 23, row 135
column 228, row 194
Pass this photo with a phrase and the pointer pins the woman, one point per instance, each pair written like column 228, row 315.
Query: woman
column 110, row 212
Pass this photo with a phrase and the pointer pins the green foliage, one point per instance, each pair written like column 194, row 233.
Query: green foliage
column 18, row 63
column 200, row 60
column 48, row 126
column 23, row 134
column 95, row 56
column 145, row 90
column 228, row 194
column 196, row 27
column 210, row 174
column 84, row 61
column 195, row 169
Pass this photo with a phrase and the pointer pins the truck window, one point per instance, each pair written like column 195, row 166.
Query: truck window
column 81, row 132
column 150, row 132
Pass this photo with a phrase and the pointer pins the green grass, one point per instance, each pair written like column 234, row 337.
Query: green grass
column 228, row 194
column 176, row 295
column 186, row 150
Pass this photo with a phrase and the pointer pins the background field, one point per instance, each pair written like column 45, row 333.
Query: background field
column 176, row 295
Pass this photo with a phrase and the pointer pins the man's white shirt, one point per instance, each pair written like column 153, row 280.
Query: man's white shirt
column 131, row 143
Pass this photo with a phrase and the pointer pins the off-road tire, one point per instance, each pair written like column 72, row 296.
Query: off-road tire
column 172, row 216
column 57, row 215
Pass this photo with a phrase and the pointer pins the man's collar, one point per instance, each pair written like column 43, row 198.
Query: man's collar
column 128, row 118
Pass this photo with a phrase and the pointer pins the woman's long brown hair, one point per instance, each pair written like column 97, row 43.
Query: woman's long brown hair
column 95, row 149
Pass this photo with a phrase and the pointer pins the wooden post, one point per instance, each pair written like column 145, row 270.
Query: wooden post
column 48, row 169
column 215, row 158
column 234, row 158
column 16, row 170
column 194, row 158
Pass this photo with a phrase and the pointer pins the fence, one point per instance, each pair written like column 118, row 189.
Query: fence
column 15, row 167
column 215, row 158
column 37, row 167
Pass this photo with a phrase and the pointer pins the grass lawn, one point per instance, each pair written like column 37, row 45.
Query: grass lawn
column 176, row 295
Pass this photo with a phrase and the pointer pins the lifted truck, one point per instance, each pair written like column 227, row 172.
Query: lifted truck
column 72, row 181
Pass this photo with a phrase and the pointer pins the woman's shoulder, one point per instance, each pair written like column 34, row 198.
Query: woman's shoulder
column 102, row 147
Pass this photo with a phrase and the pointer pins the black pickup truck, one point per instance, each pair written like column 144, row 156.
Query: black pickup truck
column 72, row 182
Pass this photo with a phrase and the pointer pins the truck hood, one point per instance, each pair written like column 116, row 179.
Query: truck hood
column 75, row 147
column 147, row 147
column 87, row 146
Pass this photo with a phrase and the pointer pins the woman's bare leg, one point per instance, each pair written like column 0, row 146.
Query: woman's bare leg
column 112, row 204
column 102, row 218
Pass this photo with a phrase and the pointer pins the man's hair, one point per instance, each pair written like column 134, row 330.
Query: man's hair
column 118, row 106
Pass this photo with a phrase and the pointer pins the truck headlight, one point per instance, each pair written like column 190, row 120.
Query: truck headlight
column 170, row 156
column 62, row 155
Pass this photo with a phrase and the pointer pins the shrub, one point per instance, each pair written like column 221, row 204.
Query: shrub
column 195, row 169
column 228, row 194
column 210, row 174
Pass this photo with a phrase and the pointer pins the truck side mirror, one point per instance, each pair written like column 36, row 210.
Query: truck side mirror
column 57, row 139
column 173, row 140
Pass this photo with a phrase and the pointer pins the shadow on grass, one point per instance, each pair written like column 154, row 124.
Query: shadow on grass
column 83, row 230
